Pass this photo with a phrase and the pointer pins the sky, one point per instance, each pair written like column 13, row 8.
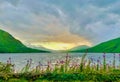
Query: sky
column 61, row 24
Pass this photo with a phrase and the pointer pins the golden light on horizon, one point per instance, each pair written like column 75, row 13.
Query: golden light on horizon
column 59, row 45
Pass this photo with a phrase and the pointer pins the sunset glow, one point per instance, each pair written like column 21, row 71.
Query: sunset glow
column 59, row 45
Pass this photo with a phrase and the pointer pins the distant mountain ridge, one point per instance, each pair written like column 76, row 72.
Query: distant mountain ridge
column 8, row 44
column 111, row 46
column 40, row 48
column 78, row 48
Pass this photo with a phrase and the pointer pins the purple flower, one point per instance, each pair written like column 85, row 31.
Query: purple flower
column 40, row 64
column 62, row 62
column 98, row 60
column 91, row 59
column 104, row 55
column 30, row 59
column 119, row 57
column 110, row 62
column 9, row 58
column 28, row 62
column 7, row 62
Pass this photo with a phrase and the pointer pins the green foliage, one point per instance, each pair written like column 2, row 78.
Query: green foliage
column 17, row 80
column 82, row 62
column 62, row 72
column 112, row 46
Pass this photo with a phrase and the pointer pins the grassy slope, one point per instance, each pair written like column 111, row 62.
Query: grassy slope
column 112, row 46
column 8, row 44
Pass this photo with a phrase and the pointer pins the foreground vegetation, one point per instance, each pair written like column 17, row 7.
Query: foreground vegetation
column 63, row 70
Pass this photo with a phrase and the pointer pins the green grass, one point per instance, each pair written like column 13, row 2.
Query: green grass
column 111, row 46
column 8, row 44
column 62, row 71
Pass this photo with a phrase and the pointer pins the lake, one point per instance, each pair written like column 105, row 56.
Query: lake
column 20, row 59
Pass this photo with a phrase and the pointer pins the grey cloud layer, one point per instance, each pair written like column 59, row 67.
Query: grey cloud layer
column 94, row 20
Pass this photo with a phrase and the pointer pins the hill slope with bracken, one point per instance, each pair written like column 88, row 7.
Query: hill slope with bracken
column 8, row 44
column 111, row 46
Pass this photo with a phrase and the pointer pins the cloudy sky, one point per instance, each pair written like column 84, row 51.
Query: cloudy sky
column 58, row 24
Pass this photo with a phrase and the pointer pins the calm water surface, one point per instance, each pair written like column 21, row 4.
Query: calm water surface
column 20, row 59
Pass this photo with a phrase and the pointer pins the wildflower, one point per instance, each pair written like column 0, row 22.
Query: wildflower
column 91, row 59
column 40, row 64
column 98, row 61
column 114, row 61
column 104, row 55
column 7, row 62
column 67, row 57
column 27, row 61
column 62, row 62
column 119, row 57
column 104, row 61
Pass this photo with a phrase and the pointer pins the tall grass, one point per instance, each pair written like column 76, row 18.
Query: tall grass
column 63, row 70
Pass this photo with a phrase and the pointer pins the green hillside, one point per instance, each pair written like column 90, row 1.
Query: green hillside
column 112, row 46
column 8, row 44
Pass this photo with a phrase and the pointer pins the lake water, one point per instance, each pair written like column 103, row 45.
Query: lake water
column 20, row 59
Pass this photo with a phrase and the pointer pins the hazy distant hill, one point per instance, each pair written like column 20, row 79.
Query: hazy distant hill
column 8, row 44
column 111, row 46
column 41, row 48
column 78, row 48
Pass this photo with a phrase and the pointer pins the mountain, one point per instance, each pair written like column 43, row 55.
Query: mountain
column 8, row 44
column 41, row 48
column 78, row 48
column 111, row 46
